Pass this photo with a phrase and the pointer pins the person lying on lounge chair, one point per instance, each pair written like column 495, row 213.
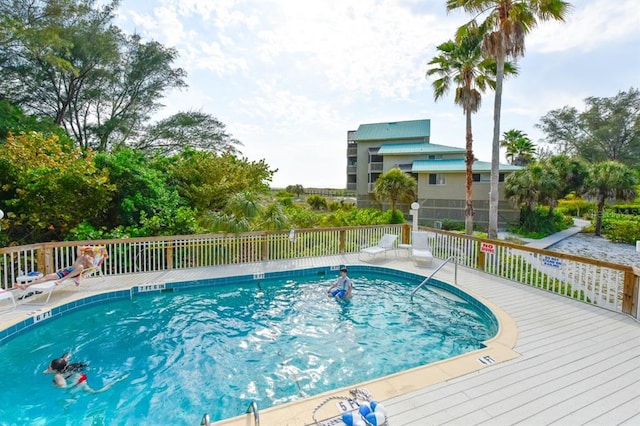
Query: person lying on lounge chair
column 82, row 262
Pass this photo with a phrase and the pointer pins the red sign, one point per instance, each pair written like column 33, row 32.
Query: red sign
column 488, row 248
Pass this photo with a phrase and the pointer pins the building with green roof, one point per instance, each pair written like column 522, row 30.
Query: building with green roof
column 439, row 170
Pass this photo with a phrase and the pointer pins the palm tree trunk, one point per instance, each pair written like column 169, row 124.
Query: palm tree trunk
column 495, row 151
column 598, row 229
column 468, row 211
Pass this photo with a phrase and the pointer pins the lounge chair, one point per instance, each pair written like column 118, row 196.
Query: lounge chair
column 420, row 249
column 8, row 295
column 99, row 256
column 384, row 245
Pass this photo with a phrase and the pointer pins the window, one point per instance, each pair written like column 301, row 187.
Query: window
column 486, row 177
column 436, row 179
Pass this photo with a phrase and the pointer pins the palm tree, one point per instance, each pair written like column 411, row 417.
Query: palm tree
column 520, row 149
column 609, row 180
column 507, row 22
column 535, row 184
column 395, row 185
column 461, row 63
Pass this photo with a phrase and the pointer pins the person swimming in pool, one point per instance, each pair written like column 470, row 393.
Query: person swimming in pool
column 341, row 289
column 72, row 376
column 83, row 261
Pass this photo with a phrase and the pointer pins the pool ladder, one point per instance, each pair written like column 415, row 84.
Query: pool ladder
column 252, row 408
column 455, row 274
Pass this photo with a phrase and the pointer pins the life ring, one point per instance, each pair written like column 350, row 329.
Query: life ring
column 370, row 413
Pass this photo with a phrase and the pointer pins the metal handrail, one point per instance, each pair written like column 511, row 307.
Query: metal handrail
column 254, row 407
column 206, row 421
column 455, row 279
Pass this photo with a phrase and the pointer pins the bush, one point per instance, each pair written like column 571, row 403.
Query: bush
column 538, row 224
column 576, row 207
column 621, row 228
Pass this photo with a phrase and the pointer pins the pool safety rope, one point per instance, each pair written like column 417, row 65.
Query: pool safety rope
column 369, row 413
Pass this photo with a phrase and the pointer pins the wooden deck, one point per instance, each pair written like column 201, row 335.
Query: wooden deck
column 578, row 364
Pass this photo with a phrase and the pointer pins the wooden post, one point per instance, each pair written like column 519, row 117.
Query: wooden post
column 41, row 261
column 343, row 241
column 406, row 233
column 265, row 246
column 169, row 255
column 630, row 292
column 47, row 261
column 480, row 261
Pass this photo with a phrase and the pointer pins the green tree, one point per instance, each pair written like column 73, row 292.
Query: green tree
column 14, row 120
column 506, row 23
column 143, row 191
column 520, row 150
column 98, row 83
column 192, row 129
column 395, row 186
column 533, row 185
column 461, row 63
column 49, row 188
column 609, row 180
column 317, row 202
column 608, row 129
column 295, row 189
column 207, row 180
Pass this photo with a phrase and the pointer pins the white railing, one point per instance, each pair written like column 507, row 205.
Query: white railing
column 605, row 284
column 132, row 255
column 608, row 285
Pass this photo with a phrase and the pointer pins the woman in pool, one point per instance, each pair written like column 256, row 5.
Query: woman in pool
column 72, row 376
column 341, row 289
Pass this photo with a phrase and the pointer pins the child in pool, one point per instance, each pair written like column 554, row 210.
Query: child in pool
column 341, row 289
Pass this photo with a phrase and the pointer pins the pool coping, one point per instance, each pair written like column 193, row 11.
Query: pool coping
column 498, row 349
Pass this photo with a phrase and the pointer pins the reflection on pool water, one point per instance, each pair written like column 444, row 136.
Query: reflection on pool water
column 217, row 348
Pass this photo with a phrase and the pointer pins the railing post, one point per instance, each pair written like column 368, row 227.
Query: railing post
column 40, row 259
column 406, row 233
column 480, row 260
column 169, row 255
column 47, row 259
column 630, row 292
column 343, row 241
column 265, row 246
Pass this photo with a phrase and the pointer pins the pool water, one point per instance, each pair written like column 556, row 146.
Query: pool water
column 216, row 349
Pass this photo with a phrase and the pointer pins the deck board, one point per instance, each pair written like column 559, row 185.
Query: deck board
column 578, row 364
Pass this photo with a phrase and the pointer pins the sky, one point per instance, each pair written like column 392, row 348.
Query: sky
column 289, row 78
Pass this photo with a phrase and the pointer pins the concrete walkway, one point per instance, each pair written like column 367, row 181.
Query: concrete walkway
column 550, row 240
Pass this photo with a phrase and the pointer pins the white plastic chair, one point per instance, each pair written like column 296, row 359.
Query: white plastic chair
column 420, row 249
column 384, row 245
column 8, row 295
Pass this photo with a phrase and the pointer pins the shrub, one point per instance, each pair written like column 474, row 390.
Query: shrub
column 576, row 207
column 621, row 228
column 537, row 223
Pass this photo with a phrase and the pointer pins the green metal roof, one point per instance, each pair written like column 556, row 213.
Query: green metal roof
column 417, row 149
column 396, row 130
column 456, row 165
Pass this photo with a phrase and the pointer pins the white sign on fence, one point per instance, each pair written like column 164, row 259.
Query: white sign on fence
column 554, row 262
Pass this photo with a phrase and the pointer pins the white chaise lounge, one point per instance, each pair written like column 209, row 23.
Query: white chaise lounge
column 384, row 245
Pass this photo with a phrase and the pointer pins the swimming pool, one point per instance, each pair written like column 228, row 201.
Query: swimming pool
column 274, row 338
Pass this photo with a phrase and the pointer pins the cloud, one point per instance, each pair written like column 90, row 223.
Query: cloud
column 589, row 26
